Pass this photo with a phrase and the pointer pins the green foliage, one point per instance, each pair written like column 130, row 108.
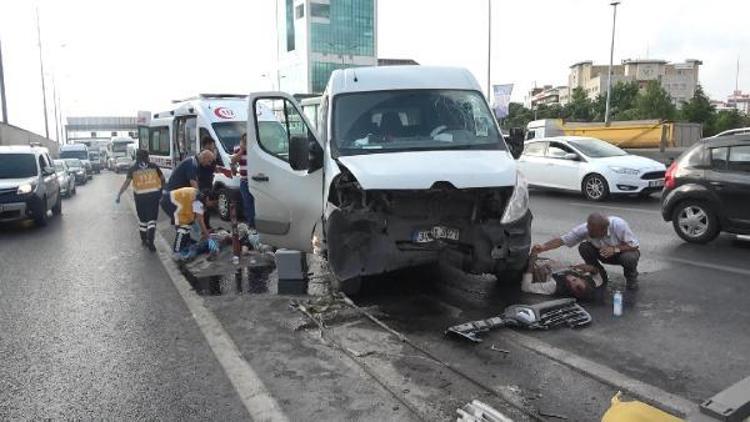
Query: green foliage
column 698, row 109
column 655, row 103
column 518, row 116
column 725, row 120
column 580, row 108
column 621, row 104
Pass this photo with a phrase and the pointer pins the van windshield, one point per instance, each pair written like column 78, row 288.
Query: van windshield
column 413, row 120
column 17, row 166
column 120, row 146
column 229, row 133
column 79, row 154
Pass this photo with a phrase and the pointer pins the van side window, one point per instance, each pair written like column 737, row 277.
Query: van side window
column 42, row 164
column 159, row 137
column 274, row 134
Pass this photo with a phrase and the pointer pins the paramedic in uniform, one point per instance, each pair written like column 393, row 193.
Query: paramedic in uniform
column 186, row 206
column 147, row 182
column 185, row 175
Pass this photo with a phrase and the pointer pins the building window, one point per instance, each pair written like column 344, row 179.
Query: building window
column 300, row 11
column 343, row 28
column 319, row 10
column 289, row 25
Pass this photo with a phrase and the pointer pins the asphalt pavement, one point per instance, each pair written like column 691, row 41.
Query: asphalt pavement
column 91, row 328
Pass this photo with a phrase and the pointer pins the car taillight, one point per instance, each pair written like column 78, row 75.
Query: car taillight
column 669, row 180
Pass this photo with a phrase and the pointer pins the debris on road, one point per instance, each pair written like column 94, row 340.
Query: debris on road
column 540, row 316
column 503, row 351
column 552, row 415
column 477, row 411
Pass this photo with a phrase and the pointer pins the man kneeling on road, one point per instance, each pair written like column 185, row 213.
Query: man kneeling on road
column 186, row 206
column 545, row 276
column 602, row 239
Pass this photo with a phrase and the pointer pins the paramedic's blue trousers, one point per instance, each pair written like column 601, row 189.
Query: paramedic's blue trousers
column 147, row 208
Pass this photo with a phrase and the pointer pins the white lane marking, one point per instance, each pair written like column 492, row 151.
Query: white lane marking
column 643, row 391
column 719, row 267
column 258, row 401
column 611, row 207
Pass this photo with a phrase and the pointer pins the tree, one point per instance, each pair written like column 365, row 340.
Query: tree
column 518, row 116
column 699, row 109
column 552, row 111
column 580, row 108
column 655, row 103
column 621, row 103
column 725, row 120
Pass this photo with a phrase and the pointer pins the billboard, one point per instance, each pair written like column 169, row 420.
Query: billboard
column 501, row 95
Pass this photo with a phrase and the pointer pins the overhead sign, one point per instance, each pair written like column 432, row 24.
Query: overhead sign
column 224, row 113
column 501, row 94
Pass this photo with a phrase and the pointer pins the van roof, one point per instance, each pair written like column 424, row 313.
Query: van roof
column 386, row 78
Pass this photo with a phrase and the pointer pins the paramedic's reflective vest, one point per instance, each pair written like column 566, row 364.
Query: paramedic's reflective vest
column 146, row 179
column 183, row 199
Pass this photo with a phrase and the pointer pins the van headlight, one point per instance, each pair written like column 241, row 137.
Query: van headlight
column 25, row 188
column 518, row 204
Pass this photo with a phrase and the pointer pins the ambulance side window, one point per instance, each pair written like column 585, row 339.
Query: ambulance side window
column 191, row 140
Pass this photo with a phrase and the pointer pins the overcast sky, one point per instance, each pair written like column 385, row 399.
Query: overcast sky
column 114, row 57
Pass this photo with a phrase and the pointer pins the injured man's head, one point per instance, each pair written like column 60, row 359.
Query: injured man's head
column 579, row 284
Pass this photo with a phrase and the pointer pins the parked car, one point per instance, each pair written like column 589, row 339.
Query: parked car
column 77, row 169
column 707, row 189
column 122, row 164
column 732, row 132
column 95, row 160
column 66, row 179
column 29, row 187
column 591, row 166
column 408, row 168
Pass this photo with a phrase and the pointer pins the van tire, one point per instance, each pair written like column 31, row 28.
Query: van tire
column 40, row 219
column 57, row 208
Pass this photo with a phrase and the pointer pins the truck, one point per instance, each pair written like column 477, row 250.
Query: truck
column 117, row 147
column 81, row 152
column 624, row 134
column 407, row 167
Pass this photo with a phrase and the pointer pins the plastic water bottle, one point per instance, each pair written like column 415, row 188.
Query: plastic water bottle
column 617, row 303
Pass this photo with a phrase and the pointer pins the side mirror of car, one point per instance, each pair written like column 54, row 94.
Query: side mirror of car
column 515, row 142
column 299, row 153
column 48, row 171
column 570, row 156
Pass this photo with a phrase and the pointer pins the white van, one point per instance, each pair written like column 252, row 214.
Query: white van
column 81, row 152
column 407, row 165
column 171, row 136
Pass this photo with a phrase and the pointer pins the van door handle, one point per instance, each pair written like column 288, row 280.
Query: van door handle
column 260, row 177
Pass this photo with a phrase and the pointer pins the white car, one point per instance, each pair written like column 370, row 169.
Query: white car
column 590, row 166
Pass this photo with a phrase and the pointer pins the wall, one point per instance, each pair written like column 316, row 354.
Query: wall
column 12, row 135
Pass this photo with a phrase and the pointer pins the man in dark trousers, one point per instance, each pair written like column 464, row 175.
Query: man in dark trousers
column 185, row 175
column 602, row 239
column 206, row 175
column 148, row 181
column 248, row 201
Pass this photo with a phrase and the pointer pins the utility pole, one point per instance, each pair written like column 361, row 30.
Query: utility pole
column 611, row 59
column 54, row 102
column 736, row 79
column 489, row 49
column 3, row 104
column 41, row 68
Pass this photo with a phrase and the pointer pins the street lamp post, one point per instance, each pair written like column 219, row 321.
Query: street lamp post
column 489, row 49
column 41, row 69
column 3, row 104
column 611, row 59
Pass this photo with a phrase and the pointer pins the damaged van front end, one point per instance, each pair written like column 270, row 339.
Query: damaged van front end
column 375, row 229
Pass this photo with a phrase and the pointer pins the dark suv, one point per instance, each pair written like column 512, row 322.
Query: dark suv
column 28, row 184
column 707, row 189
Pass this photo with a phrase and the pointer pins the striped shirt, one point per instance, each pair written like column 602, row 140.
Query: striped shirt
column 243, row 162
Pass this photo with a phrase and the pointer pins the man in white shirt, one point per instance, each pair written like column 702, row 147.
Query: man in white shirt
column 602, row 239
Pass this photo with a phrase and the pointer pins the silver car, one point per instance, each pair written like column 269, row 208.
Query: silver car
column 66, row 178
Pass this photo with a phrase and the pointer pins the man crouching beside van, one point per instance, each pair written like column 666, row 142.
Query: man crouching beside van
column 186, row 206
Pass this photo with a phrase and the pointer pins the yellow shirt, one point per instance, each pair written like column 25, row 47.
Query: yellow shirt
column 184, row 199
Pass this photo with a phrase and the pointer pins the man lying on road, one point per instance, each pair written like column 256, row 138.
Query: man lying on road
column 186, row 206
column 545, row 276
column 602, row 239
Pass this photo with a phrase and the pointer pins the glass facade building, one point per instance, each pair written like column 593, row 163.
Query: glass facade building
column 318, row 36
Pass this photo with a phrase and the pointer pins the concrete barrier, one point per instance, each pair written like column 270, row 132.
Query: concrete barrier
column 12, row 135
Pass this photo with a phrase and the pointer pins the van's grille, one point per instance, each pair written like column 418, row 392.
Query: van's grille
column 653, row 175
column 8, row 191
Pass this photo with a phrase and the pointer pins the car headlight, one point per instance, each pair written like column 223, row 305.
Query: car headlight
column 25, row 188
column 624, row 170
column 518, row 204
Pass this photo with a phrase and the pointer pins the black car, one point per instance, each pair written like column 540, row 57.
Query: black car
column 707, row 189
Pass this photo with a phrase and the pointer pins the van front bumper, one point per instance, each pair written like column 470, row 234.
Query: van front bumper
column 18, row 207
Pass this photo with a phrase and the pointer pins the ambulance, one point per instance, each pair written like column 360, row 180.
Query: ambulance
column 171, row 136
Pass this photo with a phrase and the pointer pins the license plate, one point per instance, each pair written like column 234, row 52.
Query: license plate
column 656, row 183
column 436, row 233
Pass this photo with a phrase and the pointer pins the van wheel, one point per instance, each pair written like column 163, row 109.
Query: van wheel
column 57, row 208
column 41, row 218
column 223, row 204
column 695, row 222
column 595, row 188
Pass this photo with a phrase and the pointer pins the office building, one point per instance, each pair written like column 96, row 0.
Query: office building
column 315, row 37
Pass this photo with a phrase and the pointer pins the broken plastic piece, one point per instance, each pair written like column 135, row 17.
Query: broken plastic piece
column 477, row 411
column 540, row 316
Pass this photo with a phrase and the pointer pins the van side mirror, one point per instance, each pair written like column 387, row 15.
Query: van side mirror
column 48, row 171
column 299, row 153
column 515, row 142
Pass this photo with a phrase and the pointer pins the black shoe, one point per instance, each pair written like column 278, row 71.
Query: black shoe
column 151, row 247
column 632, row 284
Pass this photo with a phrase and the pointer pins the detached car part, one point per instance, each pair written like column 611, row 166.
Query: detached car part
column 540, row 316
